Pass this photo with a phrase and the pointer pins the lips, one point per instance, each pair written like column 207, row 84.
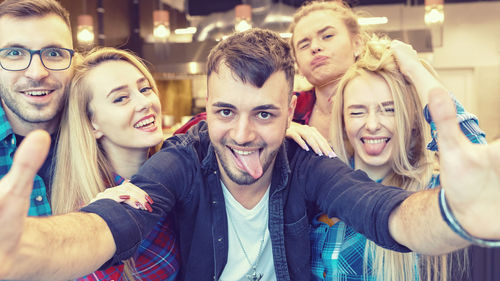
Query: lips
column 37, row 93
column 147, row 122
column 374, row 146
column 318, row 61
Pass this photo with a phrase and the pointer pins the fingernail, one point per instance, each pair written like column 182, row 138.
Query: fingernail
column 138, row 205
column 149, row 199
column 148, row 207
column 124, row 197
column 320, row 153
column 332, row 154
column 306, row 148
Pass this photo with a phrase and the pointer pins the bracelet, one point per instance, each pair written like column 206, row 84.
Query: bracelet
column 452, row 222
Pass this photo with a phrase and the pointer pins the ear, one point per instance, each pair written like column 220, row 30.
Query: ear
column 358, row 46
column 291, row 109
column 97, row 133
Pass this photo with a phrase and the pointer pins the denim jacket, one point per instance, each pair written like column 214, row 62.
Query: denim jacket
column 184, row 178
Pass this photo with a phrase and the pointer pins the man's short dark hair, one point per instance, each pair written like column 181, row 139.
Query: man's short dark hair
column 33, row 8
column 253, row 56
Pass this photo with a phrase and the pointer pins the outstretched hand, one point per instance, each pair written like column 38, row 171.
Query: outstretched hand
column 15, row 190
column 470, row 173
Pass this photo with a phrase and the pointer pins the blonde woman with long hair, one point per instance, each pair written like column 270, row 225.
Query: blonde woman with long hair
column 377, row 126
column 111, row 123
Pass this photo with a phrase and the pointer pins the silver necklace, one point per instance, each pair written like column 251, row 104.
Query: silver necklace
column 254, row 276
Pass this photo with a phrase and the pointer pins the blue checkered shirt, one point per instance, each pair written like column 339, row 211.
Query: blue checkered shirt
column 337, row 251
column 39, row 203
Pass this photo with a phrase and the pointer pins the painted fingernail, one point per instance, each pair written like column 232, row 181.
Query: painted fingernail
column 148, row 207
column 124, row 197
column 150, row 201
column 320, row 153
column 332, row 154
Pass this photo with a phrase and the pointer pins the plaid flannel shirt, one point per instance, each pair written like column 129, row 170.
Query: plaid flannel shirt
column 39, row 203
column 337, row 252
column 157, row 257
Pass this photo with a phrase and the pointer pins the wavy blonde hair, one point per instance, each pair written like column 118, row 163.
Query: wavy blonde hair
column 412, row 164
column 82, row 168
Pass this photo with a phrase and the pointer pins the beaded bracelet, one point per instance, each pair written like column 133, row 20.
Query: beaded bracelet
column 452, row 222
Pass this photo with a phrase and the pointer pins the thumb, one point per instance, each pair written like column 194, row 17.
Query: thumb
column 443, row 112
column 28, row 159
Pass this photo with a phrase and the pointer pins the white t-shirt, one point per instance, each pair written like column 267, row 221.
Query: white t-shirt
column 251, row 226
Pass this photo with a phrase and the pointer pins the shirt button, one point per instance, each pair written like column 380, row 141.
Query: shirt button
column 39, row 198
column 214, row 202
column 220, row 239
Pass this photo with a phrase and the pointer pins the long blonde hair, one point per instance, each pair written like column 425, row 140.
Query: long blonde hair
column 82, row 168
column 412, row 165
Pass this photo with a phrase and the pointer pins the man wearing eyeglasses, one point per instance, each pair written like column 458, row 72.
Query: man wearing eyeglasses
column 35, row 69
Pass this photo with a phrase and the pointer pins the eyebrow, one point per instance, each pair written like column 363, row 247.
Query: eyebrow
column 117, row 89
column 357, row 106
column 17, row 45
column 223, row 104
column 257, row 108
column 318, row 32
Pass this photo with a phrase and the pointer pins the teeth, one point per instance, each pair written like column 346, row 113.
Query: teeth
column 144, row 122
column 243, row 152
column 373, row 141
column 37, row 93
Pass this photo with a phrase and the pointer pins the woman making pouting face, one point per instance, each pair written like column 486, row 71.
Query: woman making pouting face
column 111, row 123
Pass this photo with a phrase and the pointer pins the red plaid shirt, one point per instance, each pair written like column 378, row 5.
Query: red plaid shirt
column 157, row 257
column 304, row 107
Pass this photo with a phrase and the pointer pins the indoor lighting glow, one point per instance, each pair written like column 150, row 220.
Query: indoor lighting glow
column 373, row 20
column 188, row 30
column 243, row 17
column 161, row 29
column 434, row 12
column 85, row 30
column 286, row 35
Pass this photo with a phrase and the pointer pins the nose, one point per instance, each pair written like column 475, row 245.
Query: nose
column 316, row 46
column 36, row 71
column 142, row 102
column 243, row 132
column 373, row 121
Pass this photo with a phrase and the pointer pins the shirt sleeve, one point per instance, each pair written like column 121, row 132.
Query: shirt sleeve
column 353, row 197
column 468, row 122
column 159, row 177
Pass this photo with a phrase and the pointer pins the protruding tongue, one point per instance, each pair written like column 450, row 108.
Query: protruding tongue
column 374, row 148
column 251, row 164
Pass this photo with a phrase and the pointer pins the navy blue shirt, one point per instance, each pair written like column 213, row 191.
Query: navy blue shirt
column 184, row 178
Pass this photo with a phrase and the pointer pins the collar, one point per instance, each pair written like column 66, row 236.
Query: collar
column 6, row 132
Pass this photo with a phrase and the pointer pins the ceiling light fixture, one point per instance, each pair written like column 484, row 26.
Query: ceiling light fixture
column 85, row 30
column 243, row 17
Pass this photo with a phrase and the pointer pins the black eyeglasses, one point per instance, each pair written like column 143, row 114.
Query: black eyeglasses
column 53, row 58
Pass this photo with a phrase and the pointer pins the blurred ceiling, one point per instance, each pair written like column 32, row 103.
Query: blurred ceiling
column 204, row 7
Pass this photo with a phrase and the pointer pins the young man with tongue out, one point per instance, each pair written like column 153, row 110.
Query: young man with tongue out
column 241, row 193
column 36, row 67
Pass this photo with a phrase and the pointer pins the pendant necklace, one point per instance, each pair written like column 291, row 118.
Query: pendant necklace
column 254, row 276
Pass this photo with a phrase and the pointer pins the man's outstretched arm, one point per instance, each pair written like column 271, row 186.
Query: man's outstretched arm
column 470, row 177
column 52, row 248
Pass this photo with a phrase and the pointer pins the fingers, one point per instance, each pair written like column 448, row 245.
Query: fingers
column 307, row 136
column 129, row 194
column 443, row 113
column 28, row 159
